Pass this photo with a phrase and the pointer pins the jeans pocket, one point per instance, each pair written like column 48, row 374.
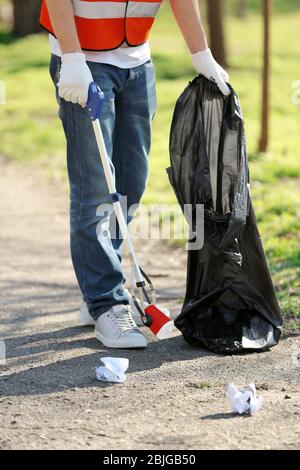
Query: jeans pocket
column 54, row 70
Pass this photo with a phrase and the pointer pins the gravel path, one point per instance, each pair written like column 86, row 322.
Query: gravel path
column 174, row 394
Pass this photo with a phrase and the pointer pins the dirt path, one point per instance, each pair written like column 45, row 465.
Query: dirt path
column 173, row 397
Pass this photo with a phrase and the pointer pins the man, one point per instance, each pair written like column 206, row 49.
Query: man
column 107, row 42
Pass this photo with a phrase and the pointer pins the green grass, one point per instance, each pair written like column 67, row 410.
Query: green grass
column 31, row 132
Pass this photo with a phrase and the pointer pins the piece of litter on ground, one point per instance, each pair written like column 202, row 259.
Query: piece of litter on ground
column 243, row 401
column 113, row 370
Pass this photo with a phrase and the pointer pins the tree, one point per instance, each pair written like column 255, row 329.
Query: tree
column 26, row 16
column 265, row 114
column 215, row 17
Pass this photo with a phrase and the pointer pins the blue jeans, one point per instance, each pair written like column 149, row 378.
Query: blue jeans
column 130, row 103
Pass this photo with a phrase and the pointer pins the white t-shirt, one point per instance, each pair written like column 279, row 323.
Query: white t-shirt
column 123, row 57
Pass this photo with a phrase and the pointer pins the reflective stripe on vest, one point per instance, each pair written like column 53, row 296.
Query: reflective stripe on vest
column 109, row 10
column 105, row 25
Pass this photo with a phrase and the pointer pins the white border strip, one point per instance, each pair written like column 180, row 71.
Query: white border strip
column 111, row 10
column 99, row 10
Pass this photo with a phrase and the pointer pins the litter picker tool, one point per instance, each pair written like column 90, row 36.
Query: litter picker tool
column 142, row 290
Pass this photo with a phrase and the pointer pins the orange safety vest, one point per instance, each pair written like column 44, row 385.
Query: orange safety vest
column 106, row 24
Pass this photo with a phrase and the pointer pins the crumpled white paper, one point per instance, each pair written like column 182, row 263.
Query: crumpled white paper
column 113, row 370
column 243, row 401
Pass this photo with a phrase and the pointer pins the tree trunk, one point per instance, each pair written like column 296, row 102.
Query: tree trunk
column 265, row 116
column 215, row 17
column 26, row 17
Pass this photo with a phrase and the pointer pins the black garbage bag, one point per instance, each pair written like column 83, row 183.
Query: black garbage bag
column 230, row 303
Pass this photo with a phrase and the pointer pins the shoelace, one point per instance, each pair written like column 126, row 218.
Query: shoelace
column 122, row 318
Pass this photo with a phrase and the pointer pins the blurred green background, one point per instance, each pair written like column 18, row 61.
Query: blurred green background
column 31, row 133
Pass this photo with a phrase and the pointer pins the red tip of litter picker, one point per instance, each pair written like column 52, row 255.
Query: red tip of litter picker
column 162, row 326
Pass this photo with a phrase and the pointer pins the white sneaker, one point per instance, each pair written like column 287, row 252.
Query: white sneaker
column 84, row 315
column 117, row 329
column 86, row 318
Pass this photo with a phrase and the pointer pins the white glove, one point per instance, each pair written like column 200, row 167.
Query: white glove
column 75, row 78
column 206, row 65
